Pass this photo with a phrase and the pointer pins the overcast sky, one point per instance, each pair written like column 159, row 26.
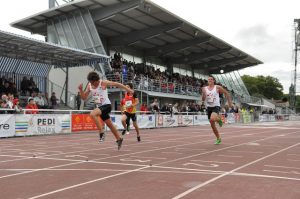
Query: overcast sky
column 263, row 29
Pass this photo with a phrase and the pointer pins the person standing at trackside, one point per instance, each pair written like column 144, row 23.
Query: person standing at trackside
column 98, row 89
column 131, row 101
column 78, row 101
column 210, row 94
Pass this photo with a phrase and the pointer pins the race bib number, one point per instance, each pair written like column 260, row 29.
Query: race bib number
column 210, row 100
column 128, row 103
column 98, row 99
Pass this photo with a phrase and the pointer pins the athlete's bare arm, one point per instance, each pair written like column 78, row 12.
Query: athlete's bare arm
column 117, row 84
column 83, row 94
column 136, row 102
column 228, row 97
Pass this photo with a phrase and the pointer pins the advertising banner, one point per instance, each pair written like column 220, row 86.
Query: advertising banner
column 200, row 119
column 145, row 121
column 231, row 118
column 42, row 124
column 7, row 125
column 185, row 120
column 84, row 122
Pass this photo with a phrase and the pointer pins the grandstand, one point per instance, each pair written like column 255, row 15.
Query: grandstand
column 143, row 31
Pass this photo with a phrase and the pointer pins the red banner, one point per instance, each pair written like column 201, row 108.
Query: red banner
column 83, row 122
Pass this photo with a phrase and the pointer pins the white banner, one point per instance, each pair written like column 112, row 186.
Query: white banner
column 230, row 118
column 42, row 124
column 185, row 120
column 7, row 125
column 168, row 120
column 200, row 119
column 116, row 119
column 145, row 121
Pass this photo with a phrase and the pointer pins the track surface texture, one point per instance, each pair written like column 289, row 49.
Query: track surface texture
column 254, row 161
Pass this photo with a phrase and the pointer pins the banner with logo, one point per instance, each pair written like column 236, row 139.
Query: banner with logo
column 84, row 122
column 7, row 125
column 145, row 121
column 42, row 124
column 185, row 120
column 200, row 119
column 169, row 121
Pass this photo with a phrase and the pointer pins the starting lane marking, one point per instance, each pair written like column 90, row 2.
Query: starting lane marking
column 201, row 165
column 213, row 161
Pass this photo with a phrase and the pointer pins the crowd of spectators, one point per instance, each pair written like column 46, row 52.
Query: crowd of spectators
column 28, row 97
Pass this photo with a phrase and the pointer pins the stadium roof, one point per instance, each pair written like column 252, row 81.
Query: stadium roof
column 16, row 47
column 145, row 29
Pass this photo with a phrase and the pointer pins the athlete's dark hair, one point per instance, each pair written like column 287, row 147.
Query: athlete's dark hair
column 93, row 76
column 130, row 85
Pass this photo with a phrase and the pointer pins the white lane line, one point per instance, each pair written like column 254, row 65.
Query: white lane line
column 171, row 152
column 213, row 162
column 231, row 156
column 157, row 158
column 88, row 182
column 264, row 176
column 132, row 145
column 201, row 165
column 285, row 172
column 230, row 172
column 278, row 166
column 258, row 152
column 293, row 160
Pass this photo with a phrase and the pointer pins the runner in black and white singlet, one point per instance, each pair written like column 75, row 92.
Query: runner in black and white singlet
column 102, row 103
column 210, row 94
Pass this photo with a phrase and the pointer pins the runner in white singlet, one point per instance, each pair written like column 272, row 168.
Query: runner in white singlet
column 210, row 95
column 98, row 89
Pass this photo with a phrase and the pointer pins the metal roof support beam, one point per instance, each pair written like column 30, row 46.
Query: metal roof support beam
column 163, row 50
column 217, row 63
column 198, row 56
column 109, row 11
column 130, row 38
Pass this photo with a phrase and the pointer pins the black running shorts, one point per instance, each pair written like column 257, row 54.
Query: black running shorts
column 131, row 116
column 105, row 111
column 210, row 110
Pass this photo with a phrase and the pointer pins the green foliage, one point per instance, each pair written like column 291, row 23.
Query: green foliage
column 269, row 87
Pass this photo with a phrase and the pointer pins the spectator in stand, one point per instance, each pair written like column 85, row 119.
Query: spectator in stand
column 78, row 100
column 10, row 99
column 17, row 106
column 4, row 99
column 32, row 85
column 53, row 100
column 143, row 108
column 7, row 89
column 39, row 101
column 25, row 86
column 155, row 106
column 31, row 105
column 175, row 109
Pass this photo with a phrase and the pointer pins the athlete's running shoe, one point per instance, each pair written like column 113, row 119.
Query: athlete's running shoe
column 127, row 132
column 102, row 137
column 119, row 143
column 138, row 138
column 218, row 141
column 123, row 132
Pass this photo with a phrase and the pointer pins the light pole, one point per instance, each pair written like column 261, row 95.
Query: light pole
column 297, row 43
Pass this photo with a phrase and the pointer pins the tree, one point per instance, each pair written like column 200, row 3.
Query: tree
column 269, row 87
